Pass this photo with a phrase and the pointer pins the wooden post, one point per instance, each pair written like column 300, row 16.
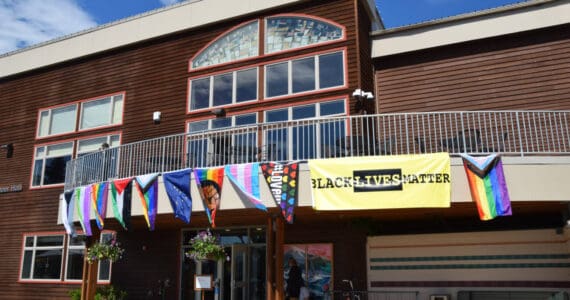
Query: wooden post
column 89, row 279
column 270, row 257
column 279, row 242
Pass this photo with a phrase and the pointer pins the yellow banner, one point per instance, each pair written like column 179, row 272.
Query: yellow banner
column 377, row 182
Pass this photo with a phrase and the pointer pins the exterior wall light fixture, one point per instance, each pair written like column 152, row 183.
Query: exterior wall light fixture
column 9, row 149
column 361, row 98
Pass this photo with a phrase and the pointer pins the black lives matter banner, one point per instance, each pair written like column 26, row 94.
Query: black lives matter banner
column 378, row 182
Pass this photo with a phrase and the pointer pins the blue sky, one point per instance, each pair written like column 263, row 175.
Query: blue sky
column 27, row 22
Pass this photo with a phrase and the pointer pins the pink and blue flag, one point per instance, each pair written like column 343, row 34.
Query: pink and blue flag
column 246, row 178
column 147, row 188
column 488, row 186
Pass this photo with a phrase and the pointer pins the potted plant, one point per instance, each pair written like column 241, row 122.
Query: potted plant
column 110, row 250
column 205, row 246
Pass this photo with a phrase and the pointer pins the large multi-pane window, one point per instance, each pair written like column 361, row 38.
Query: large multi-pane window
column 305, row 74
column 49, row 163
column 58, row 120
column 50, row 160
column 228, row 88
column 101, row 112
column 225, row 146
column 43, row 258
column 95, row 113
column 303, row 137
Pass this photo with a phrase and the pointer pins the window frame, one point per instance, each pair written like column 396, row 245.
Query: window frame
column 112, row 112
column 34, row 248
column 65, row 247
column 290, row 129
column 49, row 110
column 44, row 158
column 78, row 115
column 317, row 81
column 75, row 154
column 211, row 92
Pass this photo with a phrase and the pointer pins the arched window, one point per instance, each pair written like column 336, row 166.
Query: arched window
column 288, row 32
column 239, row 43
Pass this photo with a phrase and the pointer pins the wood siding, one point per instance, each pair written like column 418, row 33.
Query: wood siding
column 523, row 71
column 154, row 75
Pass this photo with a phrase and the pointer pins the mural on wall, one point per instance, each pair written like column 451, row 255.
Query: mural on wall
column 287, row 32
column 316, row 264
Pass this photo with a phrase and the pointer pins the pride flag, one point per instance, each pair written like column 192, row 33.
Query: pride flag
column 82, row 199
column 487, row 184
column 147, row 188
column 209, row 183
column 281, row 179
column 246, row 178
column 99, row 196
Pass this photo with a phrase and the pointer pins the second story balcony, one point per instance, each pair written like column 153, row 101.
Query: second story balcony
column 510, row 133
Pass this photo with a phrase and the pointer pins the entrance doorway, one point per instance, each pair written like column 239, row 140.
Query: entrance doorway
column 240, row 277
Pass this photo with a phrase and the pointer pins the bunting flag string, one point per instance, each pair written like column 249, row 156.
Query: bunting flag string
column 147, row 188
column 209, row 183
column 282, row 181
column 121, row 195
column 82, row 199
column 245, row 178
column 177, row 186
column 99, row 197
column 488, row 186
column 67, row 212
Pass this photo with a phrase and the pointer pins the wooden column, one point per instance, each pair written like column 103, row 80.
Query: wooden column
column 279, row 241
column 89, row 279
column 270, row 257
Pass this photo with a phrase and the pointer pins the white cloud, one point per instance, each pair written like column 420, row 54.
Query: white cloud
column 27, row 22
column 168, row 2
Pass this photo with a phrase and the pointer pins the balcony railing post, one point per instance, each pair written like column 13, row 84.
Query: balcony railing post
column 519, row 133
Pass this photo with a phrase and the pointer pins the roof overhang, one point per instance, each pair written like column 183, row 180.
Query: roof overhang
column 508, row 20
column 183, row 16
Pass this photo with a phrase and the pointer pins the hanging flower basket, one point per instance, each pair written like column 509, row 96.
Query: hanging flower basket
column 205, row 246
column 110, row 250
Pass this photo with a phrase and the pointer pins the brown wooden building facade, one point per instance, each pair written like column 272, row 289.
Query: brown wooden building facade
column 325, row 51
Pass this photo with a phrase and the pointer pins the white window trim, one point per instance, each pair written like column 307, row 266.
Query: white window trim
column 49, row 110
column 234, row 89
column 34, row 249
column 317, row 75
column 111, row 113
column 43, row 158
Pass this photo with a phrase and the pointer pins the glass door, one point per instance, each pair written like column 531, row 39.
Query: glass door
column 239, row 276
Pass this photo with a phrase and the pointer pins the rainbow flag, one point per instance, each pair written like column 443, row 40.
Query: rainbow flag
column 147, row 188
column 488, row 186
column 209, row 183
column 99, row 196
column 245, row 177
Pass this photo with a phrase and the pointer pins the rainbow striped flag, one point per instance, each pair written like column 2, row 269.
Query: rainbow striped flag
column 147, row 188
column 245, row 177
column 99, row 196
column 209, row 183
column 487, row 184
